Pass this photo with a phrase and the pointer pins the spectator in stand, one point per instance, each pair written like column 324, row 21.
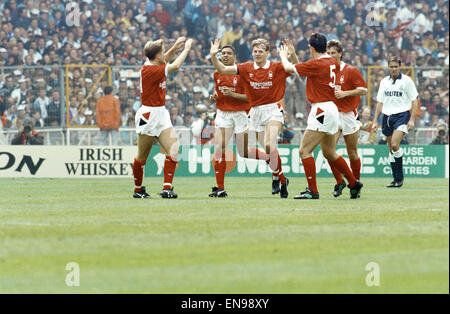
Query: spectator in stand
column 441, row 135
column 161, row 15
column 27, row 135
column 108, row 117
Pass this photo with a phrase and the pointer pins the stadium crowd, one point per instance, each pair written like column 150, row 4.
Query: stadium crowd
column 45, row 33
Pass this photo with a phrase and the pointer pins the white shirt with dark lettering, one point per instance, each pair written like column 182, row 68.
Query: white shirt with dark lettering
column 396, row 95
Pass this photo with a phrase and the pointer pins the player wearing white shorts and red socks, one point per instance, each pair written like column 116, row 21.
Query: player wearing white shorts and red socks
column 152, row 118
column 264, row 83
column 350, row 85
column 323, row 120
column 231, row 117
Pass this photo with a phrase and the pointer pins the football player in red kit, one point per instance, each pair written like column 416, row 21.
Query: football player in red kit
column 231, row 117
column 152, row 118
column 323, row 120
column 350, row 85
column 264, row 83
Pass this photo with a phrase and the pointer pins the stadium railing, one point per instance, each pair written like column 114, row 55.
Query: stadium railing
column 127, row 136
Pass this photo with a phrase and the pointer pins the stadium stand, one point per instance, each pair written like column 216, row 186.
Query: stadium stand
column 38, row 38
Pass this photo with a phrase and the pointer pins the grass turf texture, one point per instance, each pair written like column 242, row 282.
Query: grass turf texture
column 250, row 242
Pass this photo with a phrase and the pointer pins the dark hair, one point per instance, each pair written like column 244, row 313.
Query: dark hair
column 230, row 47
column 108, row 90
column 318, row 42
column 337, row 45
column 396, row 60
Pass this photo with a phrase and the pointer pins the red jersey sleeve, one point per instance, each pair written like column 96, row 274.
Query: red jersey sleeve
column 357, row 78
column 309, row 68
column 242, row 68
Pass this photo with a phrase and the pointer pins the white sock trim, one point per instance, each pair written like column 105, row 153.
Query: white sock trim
column 398, row 153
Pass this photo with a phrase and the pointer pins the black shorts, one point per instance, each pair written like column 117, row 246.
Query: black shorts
column 398, row 121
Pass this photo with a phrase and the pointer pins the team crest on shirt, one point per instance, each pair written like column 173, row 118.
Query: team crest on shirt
column 235, row 81
column 218, row 81
column 270, row 75
column 342, row 80
column 251, row 75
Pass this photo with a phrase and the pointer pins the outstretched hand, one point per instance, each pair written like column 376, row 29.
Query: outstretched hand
column 283, row 50
column 188, row 44
column 180, row 42
column 215, row 47
column 288, row 43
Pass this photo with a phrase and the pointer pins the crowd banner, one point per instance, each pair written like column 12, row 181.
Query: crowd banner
column 427, row 161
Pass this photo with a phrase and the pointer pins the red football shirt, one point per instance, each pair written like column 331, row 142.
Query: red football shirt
column 226, row 103
column 349, row 78
column 265, row 85
column 153, row 85
column 321, row 74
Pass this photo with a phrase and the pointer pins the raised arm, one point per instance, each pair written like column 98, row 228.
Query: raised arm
column 220, row 67
column 292, row 56
column 180, row 59
column 283, row 52
column 178, row 44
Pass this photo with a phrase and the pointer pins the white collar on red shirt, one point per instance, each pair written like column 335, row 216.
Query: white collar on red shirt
column 342, row 65
column 265, row 66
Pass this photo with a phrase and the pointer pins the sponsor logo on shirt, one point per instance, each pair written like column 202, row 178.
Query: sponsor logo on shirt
column 261, row 85
column 393, row 93
column 231, row 88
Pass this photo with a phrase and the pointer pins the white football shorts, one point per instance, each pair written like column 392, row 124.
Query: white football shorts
column 349, row 123
column 324, row 117
column 261, row 115
column 236, row 120
column 152, row 120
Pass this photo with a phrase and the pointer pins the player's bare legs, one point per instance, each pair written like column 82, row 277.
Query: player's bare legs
column 271, row 132
column 328, row 144
column 144, row 143
column 221, row 138
column 310, row 141
column 351, row 143
column 396, row 157
column 169, row 142
column 242, row 145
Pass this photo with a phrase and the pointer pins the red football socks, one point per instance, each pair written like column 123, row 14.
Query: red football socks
column 220, row 167
column 337, row 174
column 138, row 173
column 169, row 170
column 342, row 166
column 356, row 168
column 275, row 165
column 309, row 165
column 255, row 153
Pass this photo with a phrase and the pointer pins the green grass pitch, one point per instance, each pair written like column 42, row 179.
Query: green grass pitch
column 251, row 242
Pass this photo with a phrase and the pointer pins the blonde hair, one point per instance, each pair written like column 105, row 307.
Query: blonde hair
column 261, row 41
column 152, row 48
